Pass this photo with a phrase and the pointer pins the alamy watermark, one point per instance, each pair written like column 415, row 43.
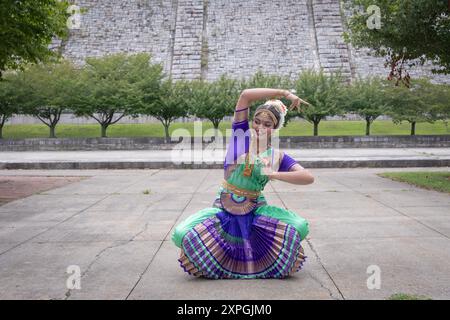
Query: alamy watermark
column 189, row 149
column 74, row 280
column 374, row 20
column 74, row 21
column 374, row 280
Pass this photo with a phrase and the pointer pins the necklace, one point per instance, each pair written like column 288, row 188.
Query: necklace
column 249, row 167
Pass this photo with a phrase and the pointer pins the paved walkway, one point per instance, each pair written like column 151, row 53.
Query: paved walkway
column 119, row 237
column 156, row 159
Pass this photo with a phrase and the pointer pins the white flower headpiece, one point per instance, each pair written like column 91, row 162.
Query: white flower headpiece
column 282, row 109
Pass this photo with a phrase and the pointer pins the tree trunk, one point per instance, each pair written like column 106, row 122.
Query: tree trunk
column 52, row 132
column 413, row 128
column 104, row 127
column 216, row 131
column 2, row 123
column 316, row 128
column 166, row 131
column 368, row 123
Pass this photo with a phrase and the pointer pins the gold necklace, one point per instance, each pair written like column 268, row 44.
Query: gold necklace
column 249, row 167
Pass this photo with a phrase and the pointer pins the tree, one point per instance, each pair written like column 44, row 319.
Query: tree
column 410, row 32
column 213, row 100
column 27, row 29
column 46, row 90
column 441, row 105
column 9, row 103
column 366, row 97
column 115, row 86
column 418, row 103
column 323, row 92
column 172, row 102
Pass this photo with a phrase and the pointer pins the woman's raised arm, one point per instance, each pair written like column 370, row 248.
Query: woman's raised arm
column 249, row 95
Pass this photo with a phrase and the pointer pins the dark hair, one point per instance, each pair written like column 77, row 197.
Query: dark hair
column 272, row 109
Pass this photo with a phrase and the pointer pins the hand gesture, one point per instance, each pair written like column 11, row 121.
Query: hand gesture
column 296, row 102
column 267, row 169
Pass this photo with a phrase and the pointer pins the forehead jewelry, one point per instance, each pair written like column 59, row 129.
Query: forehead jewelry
column 269, row 114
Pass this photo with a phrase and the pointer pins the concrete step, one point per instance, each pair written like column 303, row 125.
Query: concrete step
column 213, row 159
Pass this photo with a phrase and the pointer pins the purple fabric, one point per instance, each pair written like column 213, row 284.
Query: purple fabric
column 239, row 142
column 236, row 226
column 255, row 252
column 286, row 163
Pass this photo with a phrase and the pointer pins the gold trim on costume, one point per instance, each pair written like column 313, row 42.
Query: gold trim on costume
column 240, row 192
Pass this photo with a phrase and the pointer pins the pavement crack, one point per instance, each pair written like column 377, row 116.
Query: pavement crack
column 98, row 255
column 53, row 226
column 162, row 242
column 96, row 258
column 121, row 243
column 392, row 208
column 317, row 258
column 72, row 216
column 140, row 232
column 326, row 271
column 322, row 285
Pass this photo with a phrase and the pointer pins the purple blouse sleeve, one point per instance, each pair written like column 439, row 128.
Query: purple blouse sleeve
column 286, row 163
column 239, row 141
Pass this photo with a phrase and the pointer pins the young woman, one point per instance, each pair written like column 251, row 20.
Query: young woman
column 241, row 236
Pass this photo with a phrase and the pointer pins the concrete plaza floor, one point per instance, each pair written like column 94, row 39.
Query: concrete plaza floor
column 115, row 226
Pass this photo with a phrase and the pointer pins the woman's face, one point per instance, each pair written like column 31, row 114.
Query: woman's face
column 263, row 124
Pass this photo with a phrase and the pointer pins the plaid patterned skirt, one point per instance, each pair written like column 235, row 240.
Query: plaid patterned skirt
column 264, row 243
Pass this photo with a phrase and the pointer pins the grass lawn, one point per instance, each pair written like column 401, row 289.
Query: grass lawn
column 294, row 128
column 438, row 181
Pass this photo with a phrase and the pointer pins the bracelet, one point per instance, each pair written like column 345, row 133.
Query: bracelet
column 241, row 110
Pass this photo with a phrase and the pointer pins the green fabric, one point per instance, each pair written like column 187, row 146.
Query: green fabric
column 257, row 181
column 190, row 222
column 286, row 216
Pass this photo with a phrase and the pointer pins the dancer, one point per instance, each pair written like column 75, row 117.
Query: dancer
column 241, row 236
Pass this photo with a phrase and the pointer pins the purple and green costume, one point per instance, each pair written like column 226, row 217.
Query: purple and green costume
column 262, row 243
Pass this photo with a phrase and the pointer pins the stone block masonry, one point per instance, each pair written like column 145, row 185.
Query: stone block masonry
column 207, row 38
column 333, row 51
column 186, row 61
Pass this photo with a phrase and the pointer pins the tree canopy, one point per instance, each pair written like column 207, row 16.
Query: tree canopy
column 409, row 33
column 115, row 85
column 324, row 93
column 27, row 28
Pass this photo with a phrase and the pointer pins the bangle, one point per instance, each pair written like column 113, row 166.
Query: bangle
column 239, row 110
